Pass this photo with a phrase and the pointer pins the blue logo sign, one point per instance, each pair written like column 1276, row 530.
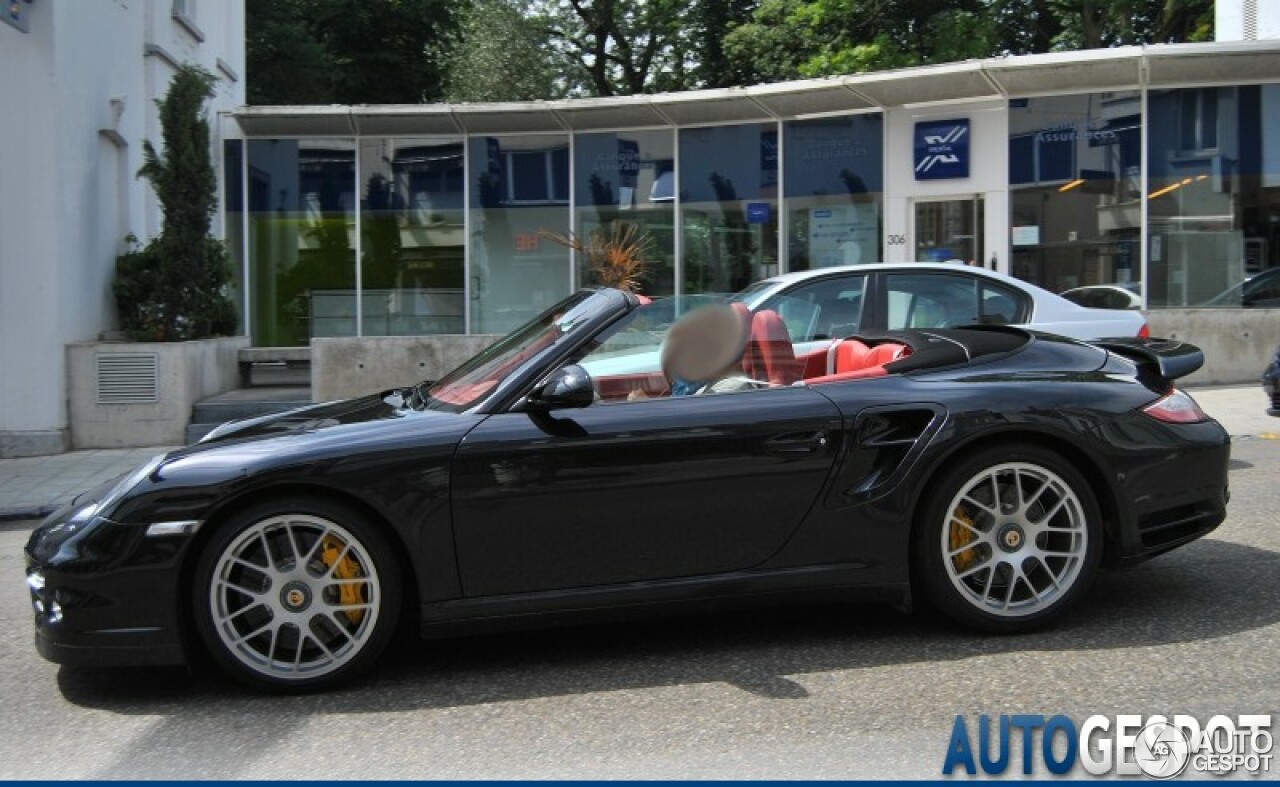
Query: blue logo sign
column 757, row 213
column 942, row 149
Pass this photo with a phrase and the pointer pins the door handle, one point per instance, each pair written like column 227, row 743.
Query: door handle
column 797, row 443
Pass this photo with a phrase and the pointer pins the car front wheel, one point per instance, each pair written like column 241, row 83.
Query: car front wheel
column 296, row 595
column 1012, row 538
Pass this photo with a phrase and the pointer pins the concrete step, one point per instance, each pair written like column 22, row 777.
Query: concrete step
column 275, row 366
column 244, row 403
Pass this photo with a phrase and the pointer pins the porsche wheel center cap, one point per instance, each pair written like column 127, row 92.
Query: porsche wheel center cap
column 1011, row 538
column 295, row 596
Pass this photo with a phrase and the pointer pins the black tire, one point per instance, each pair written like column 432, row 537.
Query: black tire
column 324, row 606
column 973, row 577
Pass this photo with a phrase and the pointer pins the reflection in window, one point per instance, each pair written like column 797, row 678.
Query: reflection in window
column 411, row 216
column 1075, row 178
column 302, row 201
column 729, row 189
column 519, row 188
column 627, row 177
column 1213, row 194
column 233, row 218
column 834, row 190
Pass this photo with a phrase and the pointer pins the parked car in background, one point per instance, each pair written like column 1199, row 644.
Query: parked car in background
column 1106, row 296
column 1259, row 291
column 1271, row 384
column 834, row 302
column 987, row 470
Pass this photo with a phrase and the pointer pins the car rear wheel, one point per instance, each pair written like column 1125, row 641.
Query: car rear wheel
column 1012, row 538
column 296, row 595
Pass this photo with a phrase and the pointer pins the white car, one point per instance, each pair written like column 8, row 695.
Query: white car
column 835, row 302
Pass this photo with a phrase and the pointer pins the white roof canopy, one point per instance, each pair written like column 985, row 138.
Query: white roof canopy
column 1122, row 68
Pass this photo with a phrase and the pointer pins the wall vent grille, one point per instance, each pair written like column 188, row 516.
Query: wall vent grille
column 127, row 378
column 1250, row 14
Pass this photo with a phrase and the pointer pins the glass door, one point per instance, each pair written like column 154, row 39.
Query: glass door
column 948, row 230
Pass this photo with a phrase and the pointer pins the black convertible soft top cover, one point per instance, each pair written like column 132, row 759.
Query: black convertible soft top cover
column 942, row 347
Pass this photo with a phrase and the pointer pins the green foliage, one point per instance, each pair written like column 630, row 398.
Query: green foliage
column 786, row 39
column 348, row 51
column 503, row 54
column 175, row 288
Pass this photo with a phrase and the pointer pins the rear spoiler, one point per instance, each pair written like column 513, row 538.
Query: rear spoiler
column 1169, row 357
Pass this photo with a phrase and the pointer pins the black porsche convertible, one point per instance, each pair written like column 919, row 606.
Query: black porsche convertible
column 618, row 456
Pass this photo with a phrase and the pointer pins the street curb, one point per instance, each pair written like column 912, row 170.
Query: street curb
column 15, row 513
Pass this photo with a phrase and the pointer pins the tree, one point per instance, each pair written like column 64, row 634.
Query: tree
column 285, row 62
column 788, row 39
column 175, row 288
column 626, row 47
column 503, row 53
column 348, row 51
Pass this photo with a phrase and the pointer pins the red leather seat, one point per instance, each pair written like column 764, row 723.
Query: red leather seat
column 770, row 355
column 847, row 355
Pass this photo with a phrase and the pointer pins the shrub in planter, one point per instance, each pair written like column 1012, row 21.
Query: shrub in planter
column 176, row 287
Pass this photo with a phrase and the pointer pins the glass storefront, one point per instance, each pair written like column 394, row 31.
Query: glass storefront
column 412, row 266
column 450, row 234
column 628, row 177
column 1213, row 194
column 729, row 205
column 302, row 218
column 834, row 190
column 1075, row 189
column 233, row 216
column 519, row 190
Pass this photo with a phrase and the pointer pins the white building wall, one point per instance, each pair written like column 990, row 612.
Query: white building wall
column 80, row 93
column 30, row 399
column 1246, row 20
column 988, row 176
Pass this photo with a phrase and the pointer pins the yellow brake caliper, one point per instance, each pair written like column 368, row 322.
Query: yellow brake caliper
column 959, row 536
column 346, row 568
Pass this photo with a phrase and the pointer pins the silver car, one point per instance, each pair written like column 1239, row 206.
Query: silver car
column 834, row 302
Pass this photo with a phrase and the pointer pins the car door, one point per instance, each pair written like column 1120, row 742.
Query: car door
column 637, row 490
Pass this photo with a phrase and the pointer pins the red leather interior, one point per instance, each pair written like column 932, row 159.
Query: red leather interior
column 850, row 359
column 813, row 363
column 620, row 387
column 769, row 354
column 847, row 355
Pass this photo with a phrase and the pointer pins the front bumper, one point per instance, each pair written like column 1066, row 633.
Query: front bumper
column 104, row 593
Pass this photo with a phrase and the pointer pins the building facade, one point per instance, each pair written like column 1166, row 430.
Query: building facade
column 81, row 80
column 1152, row 168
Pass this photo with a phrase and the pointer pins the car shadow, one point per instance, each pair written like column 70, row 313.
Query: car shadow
column 1190, row 595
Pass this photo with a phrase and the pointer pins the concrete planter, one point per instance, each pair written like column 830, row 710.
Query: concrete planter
column 346, row 367
column 1237, row 343
column 133, row 394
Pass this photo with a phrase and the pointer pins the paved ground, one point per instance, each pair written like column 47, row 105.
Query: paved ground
column 822, row 692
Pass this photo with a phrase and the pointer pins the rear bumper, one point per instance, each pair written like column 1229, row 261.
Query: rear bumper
column 1175, row 497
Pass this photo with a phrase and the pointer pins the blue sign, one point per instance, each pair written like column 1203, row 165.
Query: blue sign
column 757, row 213
column 942, row 149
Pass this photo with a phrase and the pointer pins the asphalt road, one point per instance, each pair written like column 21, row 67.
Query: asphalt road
column 825, row 692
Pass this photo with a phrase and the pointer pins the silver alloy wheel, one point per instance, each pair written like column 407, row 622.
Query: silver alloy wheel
column 294, row 597
column 1014, row 540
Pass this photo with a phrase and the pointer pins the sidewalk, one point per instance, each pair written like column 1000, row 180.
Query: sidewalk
column 32, row 487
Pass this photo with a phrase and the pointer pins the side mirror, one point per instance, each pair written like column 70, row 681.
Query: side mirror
column 569, row 386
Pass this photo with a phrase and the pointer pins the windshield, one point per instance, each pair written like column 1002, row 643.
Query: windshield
column 471, row 382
